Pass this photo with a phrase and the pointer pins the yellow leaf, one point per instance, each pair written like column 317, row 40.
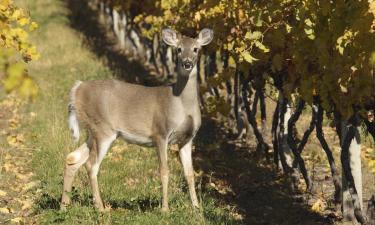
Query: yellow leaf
column 4, row 210
column 318, row 206
column 14, row 76
column 371, row 163
column 2, row 193
column 197, row 17
column 343, row 88
column 372, row 59
column 288, row 28
column 253, row 35
column 232, row 62
column 308, row 22
column 30, row 185
column 248, row 57
column 33, row 26
column 8, row 167
column 16, row 14
column 15, row 140
column 23, row 21
column 32, row 114
column 261, row 46
column 13, row 123
column 16, row 220
column 230, row 46
column 21, row 176
column 32, row 53
column 28, row 88
column 26, row 204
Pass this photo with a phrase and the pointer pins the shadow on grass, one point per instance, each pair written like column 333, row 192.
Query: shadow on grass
column 255, row 189
column 143, row 205
column 85, row 20
column 47, row 201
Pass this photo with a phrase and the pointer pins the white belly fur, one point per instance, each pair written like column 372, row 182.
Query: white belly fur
column 135, row 138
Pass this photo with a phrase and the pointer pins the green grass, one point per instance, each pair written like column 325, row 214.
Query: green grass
column 128, row 179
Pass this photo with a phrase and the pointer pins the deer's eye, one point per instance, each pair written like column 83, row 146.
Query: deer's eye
column 179, row 50
column 195, row 50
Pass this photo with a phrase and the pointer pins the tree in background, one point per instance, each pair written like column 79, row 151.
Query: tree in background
column 16, row 50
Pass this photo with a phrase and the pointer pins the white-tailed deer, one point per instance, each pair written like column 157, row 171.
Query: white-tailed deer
column 151, row 116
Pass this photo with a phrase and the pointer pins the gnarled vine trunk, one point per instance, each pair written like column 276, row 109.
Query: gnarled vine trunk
column 352, row 175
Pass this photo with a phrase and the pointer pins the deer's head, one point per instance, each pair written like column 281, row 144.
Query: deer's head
column 187, row 48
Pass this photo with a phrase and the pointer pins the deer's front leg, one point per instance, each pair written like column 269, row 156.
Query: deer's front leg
column 187, row 163
column 162, row 145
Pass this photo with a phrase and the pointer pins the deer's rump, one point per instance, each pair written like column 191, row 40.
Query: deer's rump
column 112, row 107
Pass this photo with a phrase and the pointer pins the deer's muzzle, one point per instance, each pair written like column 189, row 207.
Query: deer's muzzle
column 188, row 65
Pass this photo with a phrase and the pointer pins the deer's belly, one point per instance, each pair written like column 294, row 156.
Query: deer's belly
column 136, row 138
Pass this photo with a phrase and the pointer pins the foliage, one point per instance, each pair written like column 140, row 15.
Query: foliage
column 316, row 47
column 15, row 49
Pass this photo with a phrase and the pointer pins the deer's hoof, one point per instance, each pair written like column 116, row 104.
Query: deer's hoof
column 63, row 207
column 99, row 206
column 105, row 209
column 165, row 209
column 102, row 209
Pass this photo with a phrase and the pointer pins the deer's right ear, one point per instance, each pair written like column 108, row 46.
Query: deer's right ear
column 170, row 37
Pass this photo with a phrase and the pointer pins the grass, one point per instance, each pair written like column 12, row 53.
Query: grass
column 128, row 177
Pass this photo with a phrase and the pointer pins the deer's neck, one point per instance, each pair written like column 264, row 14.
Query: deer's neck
column 186, row 86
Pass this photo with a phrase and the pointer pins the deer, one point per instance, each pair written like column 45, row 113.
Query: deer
column 142, row 115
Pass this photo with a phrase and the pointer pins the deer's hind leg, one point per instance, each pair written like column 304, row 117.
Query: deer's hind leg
column 99, row 147
column 73, row 162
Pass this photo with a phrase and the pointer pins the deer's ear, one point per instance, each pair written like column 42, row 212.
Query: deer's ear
column 205, row 36
column 170, row 37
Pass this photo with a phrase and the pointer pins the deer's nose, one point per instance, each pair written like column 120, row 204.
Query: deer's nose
column 187, row 64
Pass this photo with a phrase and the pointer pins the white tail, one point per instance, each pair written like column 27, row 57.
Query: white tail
column 73, row 122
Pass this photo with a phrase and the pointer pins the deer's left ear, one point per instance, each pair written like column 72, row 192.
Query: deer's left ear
column 205, row 36
column 170, row 37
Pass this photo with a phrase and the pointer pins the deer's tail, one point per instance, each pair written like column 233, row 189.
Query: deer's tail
column 73, row 122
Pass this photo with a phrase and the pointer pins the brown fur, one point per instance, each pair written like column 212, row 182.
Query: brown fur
column 143, row 115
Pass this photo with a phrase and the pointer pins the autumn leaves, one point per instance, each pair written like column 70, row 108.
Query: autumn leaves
column 16, row 49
